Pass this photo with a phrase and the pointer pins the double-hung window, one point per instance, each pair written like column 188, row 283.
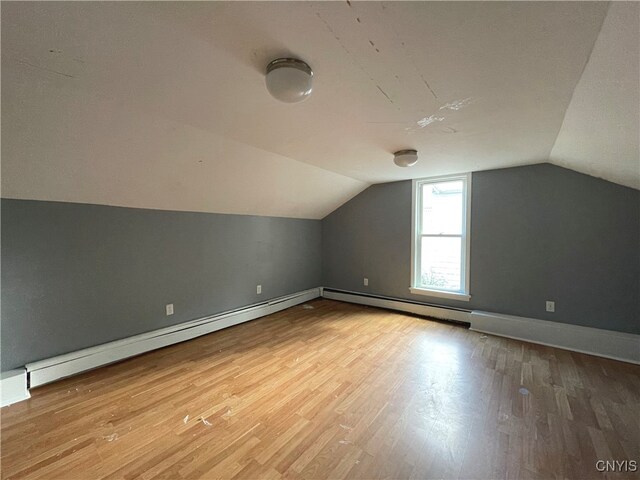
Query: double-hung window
column 440, row 237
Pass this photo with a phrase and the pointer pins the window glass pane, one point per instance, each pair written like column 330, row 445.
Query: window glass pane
column 442, row 208
column 440, row 265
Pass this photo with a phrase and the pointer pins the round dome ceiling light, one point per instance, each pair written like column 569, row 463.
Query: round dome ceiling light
column 405, row 158
column 289, row 80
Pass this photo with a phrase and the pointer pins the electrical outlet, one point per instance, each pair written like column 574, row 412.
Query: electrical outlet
column 366, row 282
column 259, row 289
column 169, row 308
column 551, row 306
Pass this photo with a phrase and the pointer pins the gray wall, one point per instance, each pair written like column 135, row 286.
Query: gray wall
column 76, row 275
column 538, row 233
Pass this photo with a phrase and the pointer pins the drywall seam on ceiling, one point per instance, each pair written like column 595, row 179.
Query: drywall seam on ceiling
column 575, row 86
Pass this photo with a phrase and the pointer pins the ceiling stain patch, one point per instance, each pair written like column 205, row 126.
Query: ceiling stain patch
column 423, row 122
column 457, row 104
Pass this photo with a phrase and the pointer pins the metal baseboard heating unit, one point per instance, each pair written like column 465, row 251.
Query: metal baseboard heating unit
column 51, row 369
column 620, row 346
column 427, row 310
column 13, row 387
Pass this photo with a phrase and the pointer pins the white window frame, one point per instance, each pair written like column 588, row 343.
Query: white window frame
column 416, row 229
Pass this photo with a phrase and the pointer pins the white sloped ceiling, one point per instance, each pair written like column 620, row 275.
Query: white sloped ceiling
column 601, row 128
column 163, row 104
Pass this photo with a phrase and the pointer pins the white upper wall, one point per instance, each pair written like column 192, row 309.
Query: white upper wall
column 163, row 104
column 601, row 129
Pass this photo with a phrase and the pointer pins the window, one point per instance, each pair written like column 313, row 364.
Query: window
column 440, row 241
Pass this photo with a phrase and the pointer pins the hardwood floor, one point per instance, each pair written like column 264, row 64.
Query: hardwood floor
column 337, row 391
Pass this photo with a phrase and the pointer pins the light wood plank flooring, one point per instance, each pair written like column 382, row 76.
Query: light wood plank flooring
column 337, row 391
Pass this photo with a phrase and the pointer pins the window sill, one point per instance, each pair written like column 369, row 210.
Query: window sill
column 441, row 294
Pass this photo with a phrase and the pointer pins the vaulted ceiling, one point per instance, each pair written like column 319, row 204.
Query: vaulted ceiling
column 601, row 128
column 163, row 104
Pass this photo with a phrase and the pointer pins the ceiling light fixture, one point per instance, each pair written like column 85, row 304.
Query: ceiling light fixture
column 289, row 80
column 405, row 158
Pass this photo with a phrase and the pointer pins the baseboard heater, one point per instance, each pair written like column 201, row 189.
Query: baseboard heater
column 593, row 341
column 49, row 370
column 13, row 387
column 620, row 346
column 452, row 314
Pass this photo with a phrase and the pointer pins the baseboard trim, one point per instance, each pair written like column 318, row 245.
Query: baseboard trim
column 442, row 313
column 593, row 341
column 13, row 387
column 55, row 368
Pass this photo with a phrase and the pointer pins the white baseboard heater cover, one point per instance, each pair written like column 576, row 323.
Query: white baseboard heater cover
column 49, row 370
column 594, row 341
column 13, row 387
column 444, row 313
